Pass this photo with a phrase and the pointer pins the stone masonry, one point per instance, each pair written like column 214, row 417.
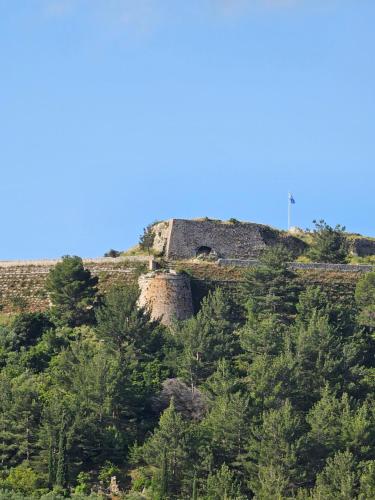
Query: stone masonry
column 186, row 239
column 22, row 283
column 167, row 295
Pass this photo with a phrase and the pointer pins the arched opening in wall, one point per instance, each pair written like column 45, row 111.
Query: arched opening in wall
column 203, row 251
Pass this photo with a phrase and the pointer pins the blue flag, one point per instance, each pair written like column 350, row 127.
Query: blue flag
column 291, row 199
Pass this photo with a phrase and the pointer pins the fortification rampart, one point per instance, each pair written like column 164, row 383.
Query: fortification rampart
column 313, row 266
column 186, row 239
column 167, row 295
column 22, row 283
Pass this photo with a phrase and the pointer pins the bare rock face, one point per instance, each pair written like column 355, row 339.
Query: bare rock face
column 190, row 403
column 161, row 232
column 167, row 295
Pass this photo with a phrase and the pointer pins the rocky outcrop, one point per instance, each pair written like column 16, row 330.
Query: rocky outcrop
column 192, row 403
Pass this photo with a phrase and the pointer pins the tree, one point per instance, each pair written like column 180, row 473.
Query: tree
column 205, row 339
column 20, row 408
column 72, row 291
column 22, row 479
column 61, row 468
column 223, row 485
column 168, row 451
column 269, row 380
column 338, row 478
column 367, row 480
column 337, row 424
column 262, row 337
column 112, row 253
column 329, row 243
column 146, row 240
column 126, row 331
column 365, row 299
column 313, row 302
column 270, row 289
column 121, row 324
column 27, row 329
column 224, row 430
column 318, row 360
column 275, row 448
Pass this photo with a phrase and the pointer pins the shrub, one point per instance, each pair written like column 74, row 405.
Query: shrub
column 146, row 240
column 112, row 253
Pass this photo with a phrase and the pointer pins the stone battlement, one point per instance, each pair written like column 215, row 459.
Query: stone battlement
column 22, row 284
column 186, row 239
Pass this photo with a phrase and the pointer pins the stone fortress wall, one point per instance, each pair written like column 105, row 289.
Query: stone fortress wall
column 167, row 295
column 229, row 247
column 22, row 283
column 186, row 239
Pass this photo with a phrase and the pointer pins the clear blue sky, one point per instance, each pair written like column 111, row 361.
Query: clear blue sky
column 114, row 113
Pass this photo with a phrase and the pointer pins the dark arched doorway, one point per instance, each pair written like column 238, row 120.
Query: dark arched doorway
column 203, row 251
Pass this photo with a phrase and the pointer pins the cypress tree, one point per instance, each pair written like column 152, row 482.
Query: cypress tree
column 61, row 470
column 194, row 495
column 164, row 477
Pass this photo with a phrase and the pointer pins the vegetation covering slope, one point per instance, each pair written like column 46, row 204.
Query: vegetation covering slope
column 278, row 406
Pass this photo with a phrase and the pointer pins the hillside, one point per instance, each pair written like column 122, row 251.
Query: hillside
column 267, row 391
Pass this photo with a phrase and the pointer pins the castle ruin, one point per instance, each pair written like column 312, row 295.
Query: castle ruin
column 179, row 239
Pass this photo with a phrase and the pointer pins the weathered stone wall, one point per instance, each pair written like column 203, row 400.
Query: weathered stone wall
column 182, row 239
column 167, row 295
column 22, row 283
column 344, row 268
column 161, row 232
column 363, row 247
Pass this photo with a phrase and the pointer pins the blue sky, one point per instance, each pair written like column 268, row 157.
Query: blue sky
column 115, row 113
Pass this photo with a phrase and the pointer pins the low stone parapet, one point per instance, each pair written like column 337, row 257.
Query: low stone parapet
column 346, row 268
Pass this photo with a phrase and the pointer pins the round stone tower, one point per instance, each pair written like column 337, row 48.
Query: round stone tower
column 167, row 295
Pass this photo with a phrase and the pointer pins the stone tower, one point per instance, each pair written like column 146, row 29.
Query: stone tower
column 167, row 295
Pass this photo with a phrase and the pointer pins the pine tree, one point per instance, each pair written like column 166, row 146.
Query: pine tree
column 318, row 360
column 329, row 243
column 338, row 478
column 367, row 480
column 205, row 339
column 275, row 448
column 169, row 445
column 270, row 288
column 72, row 291
column 123, row 325
column 224, row 430
column 365, row 299
column 223, row 485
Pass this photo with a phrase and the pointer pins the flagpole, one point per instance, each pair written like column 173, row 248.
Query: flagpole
column 289, row 211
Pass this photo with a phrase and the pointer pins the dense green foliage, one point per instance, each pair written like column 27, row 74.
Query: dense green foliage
column 279, row 406
column 72, row 291
column 329, row 244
